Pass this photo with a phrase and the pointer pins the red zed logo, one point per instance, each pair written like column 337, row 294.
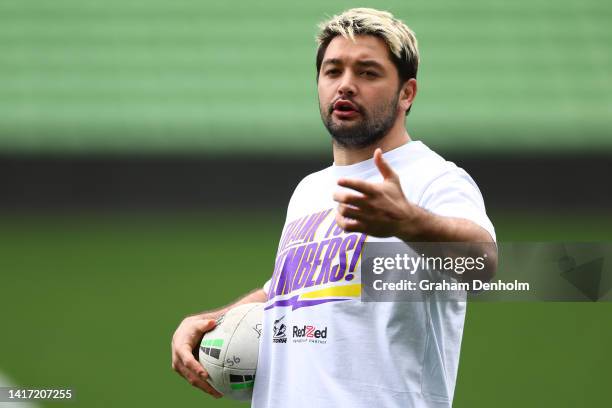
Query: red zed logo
column 310, row 332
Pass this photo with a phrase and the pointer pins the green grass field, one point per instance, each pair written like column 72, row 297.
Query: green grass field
column 91, row 302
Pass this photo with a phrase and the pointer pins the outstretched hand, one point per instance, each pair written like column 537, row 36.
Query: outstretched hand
column 377, row 209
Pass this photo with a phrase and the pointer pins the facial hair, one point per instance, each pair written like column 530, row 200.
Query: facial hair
column 364, row 131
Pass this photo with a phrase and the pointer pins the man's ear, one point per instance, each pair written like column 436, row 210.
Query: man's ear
column 407, row 94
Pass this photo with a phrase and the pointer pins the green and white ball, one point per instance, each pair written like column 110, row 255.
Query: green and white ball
column 229, row 352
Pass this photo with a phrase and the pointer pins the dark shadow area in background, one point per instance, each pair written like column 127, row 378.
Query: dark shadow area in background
column 521, row 182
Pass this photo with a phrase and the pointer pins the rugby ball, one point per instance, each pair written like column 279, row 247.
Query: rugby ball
column 229, row 352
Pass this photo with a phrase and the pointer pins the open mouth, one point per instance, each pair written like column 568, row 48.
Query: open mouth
column 345, row 109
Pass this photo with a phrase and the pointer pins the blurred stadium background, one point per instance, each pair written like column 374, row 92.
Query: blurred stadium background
column 148, row 150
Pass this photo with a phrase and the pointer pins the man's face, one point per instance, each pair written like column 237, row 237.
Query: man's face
column 358, row 91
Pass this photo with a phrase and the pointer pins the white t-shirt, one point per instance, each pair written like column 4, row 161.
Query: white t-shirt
column 321, row 346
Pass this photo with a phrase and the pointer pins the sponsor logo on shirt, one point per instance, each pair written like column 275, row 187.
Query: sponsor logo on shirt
column 310, row 334
column 299, row 334
column 280, row 331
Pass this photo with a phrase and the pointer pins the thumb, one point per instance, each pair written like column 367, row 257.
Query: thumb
column 384, row 168
column 204, row 325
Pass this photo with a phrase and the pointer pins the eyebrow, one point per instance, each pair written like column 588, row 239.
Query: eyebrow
column 362, row 63
column 370, row 63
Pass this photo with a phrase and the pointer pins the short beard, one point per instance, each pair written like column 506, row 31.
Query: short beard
column 369, row 130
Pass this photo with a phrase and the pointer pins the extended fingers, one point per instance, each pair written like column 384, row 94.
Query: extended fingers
column 197, row 381
column 192, row 371
column 362, row 186
column 383, row 167
column 357, row 200
column 187, row 360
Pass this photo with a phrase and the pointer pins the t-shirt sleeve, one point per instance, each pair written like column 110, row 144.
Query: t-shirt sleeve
column 266, row 287
column 455, row 194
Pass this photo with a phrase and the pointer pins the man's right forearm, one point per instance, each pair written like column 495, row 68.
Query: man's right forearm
column 256, row 296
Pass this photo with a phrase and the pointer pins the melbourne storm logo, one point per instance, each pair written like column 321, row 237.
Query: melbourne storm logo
column 280, row 331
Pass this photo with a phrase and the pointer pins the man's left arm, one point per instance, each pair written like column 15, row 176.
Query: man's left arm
column 382, row 210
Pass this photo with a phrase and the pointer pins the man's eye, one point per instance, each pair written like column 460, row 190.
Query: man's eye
column 332, row 71
column 370, row 74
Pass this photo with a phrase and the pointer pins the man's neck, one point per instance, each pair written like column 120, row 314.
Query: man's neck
column 344, row 156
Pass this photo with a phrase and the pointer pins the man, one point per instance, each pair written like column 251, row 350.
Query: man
column 382, row 186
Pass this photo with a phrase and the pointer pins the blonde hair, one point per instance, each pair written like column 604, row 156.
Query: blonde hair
column 399, row 38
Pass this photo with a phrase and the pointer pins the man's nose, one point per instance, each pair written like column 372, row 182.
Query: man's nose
column 347, row 86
